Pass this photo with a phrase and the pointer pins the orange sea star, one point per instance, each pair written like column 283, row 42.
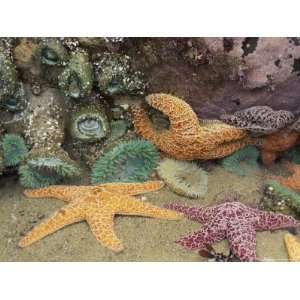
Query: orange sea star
column 97, row 205
column 293, row 181
column 187, row 138
column 293, row 247
column 275, row 143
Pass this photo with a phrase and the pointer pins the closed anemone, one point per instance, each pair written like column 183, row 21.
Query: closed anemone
column 17, row 101
column 76, row 81
column 126, row 161
column 90, row 124
column 183, row 178
column 115, row 75
column 52, row 52
column 115, row 87
column 49, row 56
column 74, row 86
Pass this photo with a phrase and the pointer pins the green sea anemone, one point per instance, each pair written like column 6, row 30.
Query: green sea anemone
column 249, row 155
column 127, row 161
column 115, row 75
column 43, row 169
column 52, row 52
column 90, row 124
column 14, row 149
column 45, row 132
column 29, row 178
column 183, row 178
column 76, row 81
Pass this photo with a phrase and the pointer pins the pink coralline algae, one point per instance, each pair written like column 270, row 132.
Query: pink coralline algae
column 234, row 221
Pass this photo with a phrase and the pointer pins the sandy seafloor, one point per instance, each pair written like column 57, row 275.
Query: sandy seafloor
column 144, row 239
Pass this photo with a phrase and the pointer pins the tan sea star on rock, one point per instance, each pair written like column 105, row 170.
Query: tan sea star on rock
column 97, row 205
column 188, row 138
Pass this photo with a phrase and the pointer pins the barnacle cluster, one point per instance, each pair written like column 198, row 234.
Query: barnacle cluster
column 47, row 162
column 12, row 95
column 76, row 80
column 51, row 52
column 115, row 75
column 280, row 199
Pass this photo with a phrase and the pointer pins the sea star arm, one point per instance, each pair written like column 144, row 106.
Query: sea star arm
column 61, row 192
column 133, row 188
column 272, row 221
column 209, row 234
column 223, row 132
column 143, row 126
column 241, row 236
column 223, row 150
column 200, row 214
column 183, row 120
column 102, row 227
column 127, row 205
column 291, row 167
column 65, row 216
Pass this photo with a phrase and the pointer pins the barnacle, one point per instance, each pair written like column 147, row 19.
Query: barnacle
column 12, row 94
column 89, row 124
column 14, row 149
column 232, row 163
column 45, row 132
column 8, row 77
column 115, row 75
column 76, row 81
column 279, row 198
column 51, row 52
column 126, row 161
column 184, row 178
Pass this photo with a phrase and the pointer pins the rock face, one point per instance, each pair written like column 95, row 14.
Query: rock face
column 260, row 71
column 232, row 98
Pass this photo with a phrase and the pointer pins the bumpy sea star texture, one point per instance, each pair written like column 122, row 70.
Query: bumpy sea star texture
column 292, row 246
column 97, row 205
column 273, row 144
column 259, row 119
column 234, row 221
column 293, row 181
column 187, row 138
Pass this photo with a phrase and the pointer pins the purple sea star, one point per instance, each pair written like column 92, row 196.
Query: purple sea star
column 234, row 221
